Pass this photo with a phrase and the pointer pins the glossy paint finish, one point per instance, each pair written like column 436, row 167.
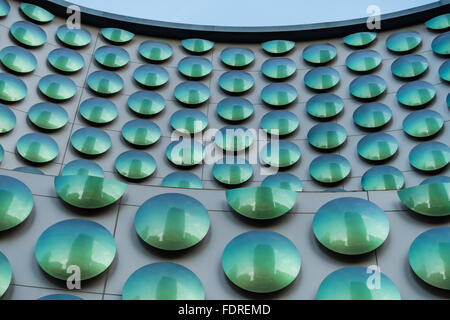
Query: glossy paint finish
column 12, row 89
column 57, row 87
column 75, row 242
column 261, row 261
column 105, row 82
column 185, row 153
column 181, row 179
column 112, row 56
column 377, row 146
column 18, row 59
column 141, row 132
column 444, row 71
column 90, row 141
column 322, row 78
column 280, row 154
column 37, row 147
column 351, row 226
column 151, row 75
column 191, row 93
column 28, row 34
column 188, row 121
column 77, row 37
column 146, row 103
column 409, row 66
column 430, row 199
column 382, row 178
column 117, row 35
column 82, row 167
column 195, row 67
column 279, row 94
column 324, row 105
column 29, row 170
column 403, row 41
column 234, row 109
column 423, row 123
column 279, row 122
column 278, row 68
column 278, row 47
column 429, row 156
column 372, row 115
column 66, row 60
column 363, row 60
column 232, row 170
column 234, row 138
column 135, row 164
column 329, row 168
column 163, row 281
column 172, row 221
column 60, row 296
column 283, row 180
column 440, row 44
column 48, row 116
column 439, row 23
column 7, row 119
column 367, row 87
column 155, row 50
column 237, row 57
column 319, row 53
column 416, row 93
column 36, row 13
column 236, row 81
column 98, row 110
column 5, row 274
column 4, row 8
column 360, row 39
column 326, row 136
column 197, row 45
column 436, row 179
column 15, row 205
column 88, row 192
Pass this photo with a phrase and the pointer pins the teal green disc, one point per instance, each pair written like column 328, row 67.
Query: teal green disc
column 37, row 147
column 416, row 93
column 360, row 39
column 191, row 93
column 98, row 110
column 429, row 156
column 181, row 179
column 57, row 87
column 185, row 153
column 278, row 68
column 117, row 35
column 195, row 67
column 283, row 180
column 163, row 281
column 380, row 178
column 327, row 135
column 377, row 146
column 436, row 179
column 88, row 192
column 234, row 138
column 329, row 168
column 429, row 257
column 261, row 261
column 28, row 34
column 409, row 66
column 140, row 132
column 236, row 81
column 90, row 141
column 351, row 226
column 232, row 170
column 278, row 47
column 439, row 23
column 151, row 75
column 372, row 115
column 12, row 89
column 188, row 121
column 7, row 119
column 135, row 164
column 5, row 274
column 279, row 94
column 353, row 283
column 197, row 45
column 280, row 154
column 324, row 105
column 363, row 60
column 48, row 116
column 66, row 60
column 82, row 167
column 367, row 87
column 146, row 103
column 16, row 203
column 430, row 199
column 155, row 50
column 322, row 78
column 4, row 8
column 75, row 245
column 444, row 71
column 60, row 297
column 2, row 153
column 29, row 170
column 403, row 41
column 235, row 109
column 319, row 53
column 112, row 56
column 77, row 37
column 172, row 221
column 423, row 123
column 279, row 122
column 237, row 57
column 441, row 44
column 36, row 13
column 18, row 59
column 105, row 82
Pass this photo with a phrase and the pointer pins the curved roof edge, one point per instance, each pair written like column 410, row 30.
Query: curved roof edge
column 247, row 34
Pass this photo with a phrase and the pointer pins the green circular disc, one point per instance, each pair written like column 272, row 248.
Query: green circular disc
column 36, row 13
column 37, row 147
column 98, row 110
column 261, row 261
column 77, row 37
column 135, row 164
column 57, row 87
column 7, row 119
column 5, row 274
column 66, row 60
column 279, row 122
column 88, row 192
column 353, row 283
column 48, row 116
column 444, row 71
column 155, row 50
column 82, row 167
column 429, row 257
column 181, row 179
column 195, row 67
column 29, row 170
column 423, row 123
column 403, row 41
column 236, row 81
column 436, row 179
column 117, row 35
column 191, row 93
column 439, row 23
column 75, row 244
column 237, row 57
column 28, row 34
column 232, row 170
column 234, row 138
column 146, row 103
column 363, row 60
column 409, row 66
column 372, row 115
column 172, row 221
column 188, row 121
column 380, row 178
column 360, row 39
column 441, row 44
column 112, row 56
column 279, row 94
column 278, row 68
column 105, row 82
column 4, row 8
column 151, row 76
column 327, row 135
column 235, row 109
column 278, row 46
column 351, row 226
column 324, row 105
column 185, row 153
column 319, row 53
column 322, row 78
column 140, row 132
column 448, row 100
column 430, row 199
column 429, row 156
column 197, row 45
column 329, row 168
column 416, row 93
column 90, row 141
column 60, row 297
column 163, row 281
column 2, row 153
column 283, row 180
column 15, row 206
column 367, row 87
column 18, row 59
column 280, row 154
column 377, row 146
column 12, row 89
